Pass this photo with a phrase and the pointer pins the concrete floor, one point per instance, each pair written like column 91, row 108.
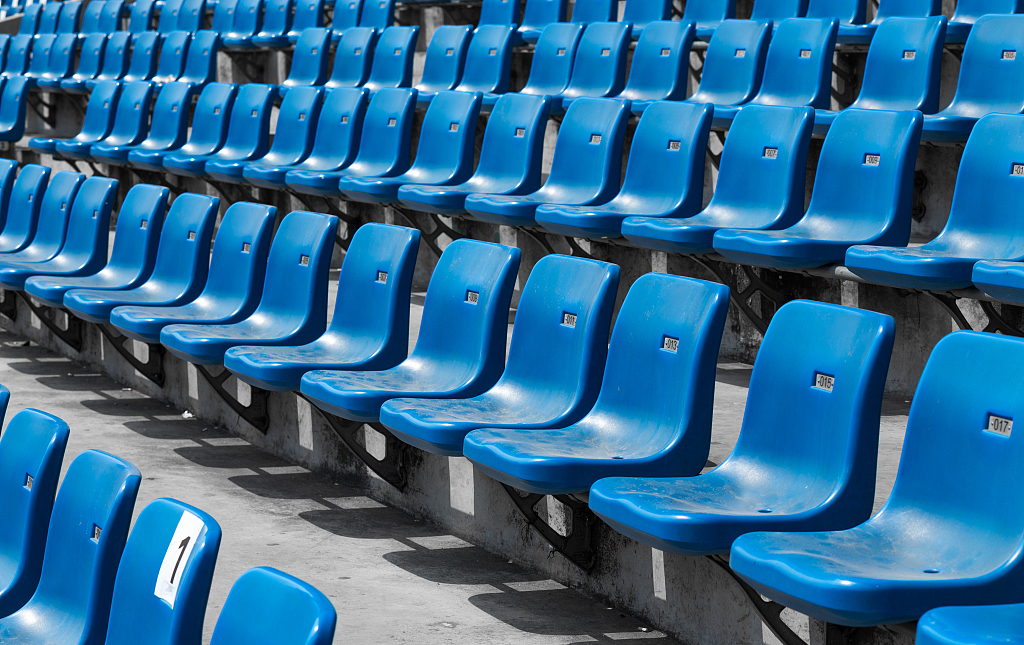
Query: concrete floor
column 392, row 578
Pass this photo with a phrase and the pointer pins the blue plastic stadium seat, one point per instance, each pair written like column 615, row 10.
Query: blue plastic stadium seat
column 293, row 309
column 969, row 11
column 91, row 17
column 335, row 142
column 41, row 49
column 5, row 44
column 311, row 616
column 808, row 465
column 660, row 65
column 353, row 58
column 797, row 69
column 653, row 415
column 140, row 18
column 553, row 56
column 384, row 147
column 587, row 11
column 707, row 16
column 247, row 138
column 114, row 65
column 142, row 64
column 70, row 17
column 173, row 52
column 170, row 12
column 991, row 79
column 84, row 542
column 30, row 19
column 1000, row 279
column 937, row 541
column 235, row 284
column 888, row 9
column 849, row 12
column 863, row 189
column 13, row 103
column 192, row 16
column 31, row 454
column 179, row 271
column 22, row 212
column 776, row 11
column 293, row 140
column 90, row 63
column 599, row 68
column 765, row 155
column 641, row 13
column 223, row 16
column 538, row 15
column 18, row 53
column 376, row 274
column 444, row 153
column 982, row 222
column 902, row 69
column 8, row 171
column 585, row 169
column 664, row 178
column 309, row 60
column 309, row 13
column 176, row 546
column 131, row 121
column 61, row 63
column 488, row 66
column 346, row 16
column 210, row 126
column 131, row 260
column 445, row 58
column 110, row 16
column 49, row 18
column 379, row 14
column 248, row 18
column 201, row 62
column 499, row 12
column 734, row 63
column 555, row 362
column 460, row 350
column 277, row 20
column 393, row 58
column 52, row 221
column 977, row 625
column 84, row 251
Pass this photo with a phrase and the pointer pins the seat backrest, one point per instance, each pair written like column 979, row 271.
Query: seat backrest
column 563, row 319
column 91, row 17
column 465, row 312
column 448, row 136
column 708, row 14
column 310, row 58
column 30, row 19
column 5, row 44
column 298, row 268
column 49, row 18
column 17, row 55
column 642, row 12
column 54, row 212
column 445, row 59
column 489, row 60
column 587, row 162
column 661, row 62
column 62, row 56
column 829, row 364
column 393, row 58
column 600, row 65
column 22, row 213
column 553, row 57
column 968, row 11
column 131, row 120
column 172, row 56
column 41, row 50
column 90, row 61
column 763, row 170
column 100, row 111
column 778, row 10
column 211, row 117
column 110, row 16
column 309, row 13
column 863, row 187
column 386, row 139
column 223, row 16
column 169, row 14
column 903, row 66
column 377, row 273
column 311, row 616
column 379, row 14
column 115, row 56
column 277, row 17
column 31, row 453
column 296, row 124
column 346, row 14
column 137, row 232
column 587, row 11
column 991, row 69
column 798, row 69
column 183, row 255
column 249, row 127
column 540, row 13
column 192, row 16
column 248, row 18
column 906, row 8
column 338, row 129
column 142, row 65
column 846, row 11
column 89, row 223
column 666, row 157
column 13, row 106
column 353, row 57
column 175, row 545
column 499, row 12
column 141, row 16
column 201, row 62
column 8, row 172
column 169, row 126
column 70, row 16
column 238, row 264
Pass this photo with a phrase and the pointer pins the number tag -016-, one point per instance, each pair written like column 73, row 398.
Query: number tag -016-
column 178, row 552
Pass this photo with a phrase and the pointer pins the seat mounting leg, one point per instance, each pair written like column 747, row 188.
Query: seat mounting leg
column 742, row 297
column 153, row 368
column 578, row 545
column 72, row 335
column 255, row 413
column 9, row 305
column 769, row 611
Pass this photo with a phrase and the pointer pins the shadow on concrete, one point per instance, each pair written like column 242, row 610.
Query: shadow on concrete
column 469, row 565
column 136, row 406
column 234, row 456
column 738, row 376
column 175, row 429
column 376, row 523
column 294, row 486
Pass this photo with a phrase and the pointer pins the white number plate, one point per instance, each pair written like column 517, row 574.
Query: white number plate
column 999, row 425
column 178, row 552
column 824, row 382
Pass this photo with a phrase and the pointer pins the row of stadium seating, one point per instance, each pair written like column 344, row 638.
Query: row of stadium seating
column 73, row 574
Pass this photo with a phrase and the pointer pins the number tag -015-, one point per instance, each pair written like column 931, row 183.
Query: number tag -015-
column 178, row 552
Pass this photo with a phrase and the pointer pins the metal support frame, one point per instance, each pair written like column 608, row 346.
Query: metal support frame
column 50, row 118
column 392, row 468
column 579, row 545
column 769, row 611
column 9, row 305
column 742, row 297
column 918, row 209
column 72, row 335
column 152, row 369
column 431, row 238
column 997, row 323
column 331, row 208
column 256, row 413
column 243, row 61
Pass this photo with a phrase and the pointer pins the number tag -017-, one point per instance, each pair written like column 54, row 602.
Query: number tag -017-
column 178, row 552
column 1000, row 425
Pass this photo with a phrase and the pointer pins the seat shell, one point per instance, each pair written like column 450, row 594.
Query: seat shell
column 210, row 127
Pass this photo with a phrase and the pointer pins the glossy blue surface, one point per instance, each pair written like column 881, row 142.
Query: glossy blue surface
column 130, row 126
column 664, row 178
column 142, row 64
column 310, row 13
column 173, row 53
column 851, row 12
column 90, row 62
column 70, row 15
column 114, row 65
column 71, row 605
column 553, row 58
column 8, row 174
column 585, row 169
column 707, row 16
column 99, row 119
column 460, row 350
column 488, row 66
column 937, row 541
column 33, row 447
column 18, row 54
column 499, row 12
column 234, row 287
column 247, row 22
column 346, row 16
column 210, row 127
column 660, row 65
column 981, row 625
column 444, row 153
column 54, row 210
column 379, row 14
column 309, row 60
column 131, row 260
column 141, row 18
column 370, row 327
column 353, row 58
column 804, row 466
column 734, row 63
column 168, row 130
column 643, row 12
column 393, row 58
column 599, row 68
column 30, row 19
column 277, row 21
column 510, row 158
column 446, row 56
column 61, row 61
column 170, row 12
column 968, row 12
column 42, row 47
column 778, row 10
column 538, row 14
column 588, row 11
column 13, row 103
column 653, row 415
column 863, row 190
column 223, row 16
column 201, row 62
column 21, row 214
column 49, row 18
column 179, row 271
column 888, row 9
column 293, row 308
column 991, row 80
column 110, row 16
